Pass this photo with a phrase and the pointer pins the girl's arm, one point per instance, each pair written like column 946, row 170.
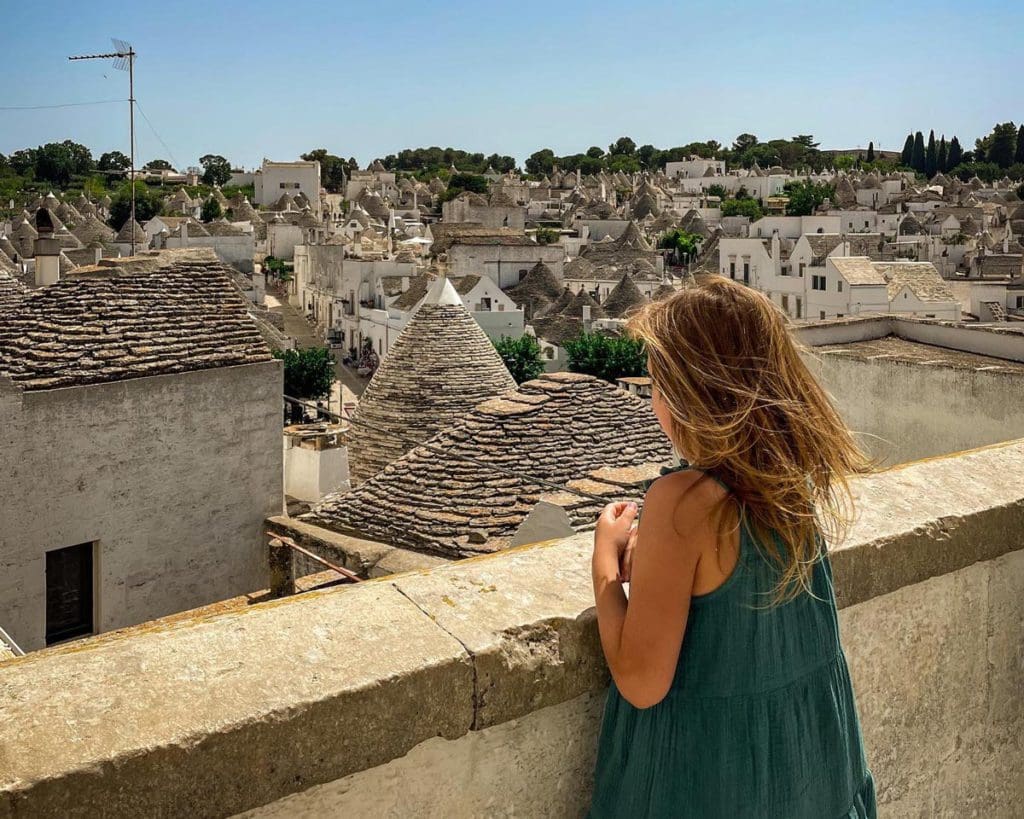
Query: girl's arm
column 642, row 637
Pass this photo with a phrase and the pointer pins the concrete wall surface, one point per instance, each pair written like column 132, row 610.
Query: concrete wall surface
column 171, row 476
column 475, row 688
column 905, row 411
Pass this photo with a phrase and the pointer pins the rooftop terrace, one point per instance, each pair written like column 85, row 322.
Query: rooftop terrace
column 476, row 688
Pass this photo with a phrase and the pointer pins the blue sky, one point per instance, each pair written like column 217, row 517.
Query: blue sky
column 275, row 79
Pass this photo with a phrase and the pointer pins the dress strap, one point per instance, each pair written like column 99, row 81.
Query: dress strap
column 683, row 466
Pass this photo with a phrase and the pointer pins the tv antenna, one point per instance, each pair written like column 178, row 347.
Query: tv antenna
column 124, row 60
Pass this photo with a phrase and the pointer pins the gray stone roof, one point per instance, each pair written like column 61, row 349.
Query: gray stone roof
column 921, row 278
column 130, row 226
column 565, row 428
column 440, row 366
column 162, row 313
column 625, row 296
column 538, row 288
column 12, row 292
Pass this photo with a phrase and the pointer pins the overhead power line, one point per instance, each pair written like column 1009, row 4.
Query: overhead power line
column 56, row 105
column 157, row 135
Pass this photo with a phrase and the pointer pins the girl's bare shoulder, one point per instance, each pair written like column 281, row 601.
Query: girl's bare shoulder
column 682, row 500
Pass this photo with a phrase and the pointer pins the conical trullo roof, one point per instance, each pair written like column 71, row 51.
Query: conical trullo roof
column 633, row 238
column 624, row 297
column 581, row 300
column 664, row 290
column 125, row 233
column 538, row 288
column 561, row 303
column 439, row 368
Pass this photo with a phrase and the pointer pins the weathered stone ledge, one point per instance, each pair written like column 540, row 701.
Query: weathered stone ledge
column 216, row 716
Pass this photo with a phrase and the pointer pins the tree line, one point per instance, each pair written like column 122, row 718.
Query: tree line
column 999, row 153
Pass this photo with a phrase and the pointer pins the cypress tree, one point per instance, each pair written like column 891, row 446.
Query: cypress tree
column 908, row 151
column 1019, row 155
column 917, row 158
column 871, row 150
column 956, row 154
column 931, row 157
column 943, row 155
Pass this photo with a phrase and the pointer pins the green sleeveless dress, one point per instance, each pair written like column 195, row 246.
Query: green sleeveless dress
column 760, row 720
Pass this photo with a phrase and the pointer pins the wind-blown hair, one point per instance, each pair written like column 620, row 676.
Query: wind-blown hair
column 745, row 408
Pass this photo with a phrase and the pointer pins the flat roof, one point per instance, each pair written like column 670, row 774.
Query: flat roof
column 914, row 352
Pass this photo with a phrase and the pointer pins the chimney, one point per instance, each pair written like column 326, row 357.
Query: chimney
column 405, row 283
column 184, row 233
column 46, row 250
column 776, row 253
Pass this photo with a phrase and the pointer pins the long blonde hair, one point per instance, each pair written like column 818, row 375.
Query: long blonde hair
column 745, row 408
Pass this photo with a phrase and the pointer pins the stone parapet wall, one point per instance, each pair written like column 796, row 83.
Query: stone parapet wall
column 475, row 688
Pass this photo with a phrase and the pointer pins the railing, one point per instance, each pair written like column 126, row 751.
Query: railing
column 282, row 565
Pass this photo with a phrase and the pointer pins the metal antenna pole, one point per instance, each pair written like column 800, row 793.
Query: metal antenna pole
column 124, row 59
column 131, row 129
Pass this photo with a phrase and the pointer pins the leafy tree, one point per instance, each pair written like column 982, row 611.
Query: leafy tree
column 308, row 373
column 211, row 210
column 649, row 157
column 956, row 153
column 716, row 190
column 541, row 162
column 1001, row 145
column 606, row 357
column 216, row 169
column 522, row 356
column 871, row 152
column 1019, row 154
column 684, row 246
column 158, row 165
column 547, row 236
column 917, row 159
column 744, row 142
column 594, row 152
column 333, row 169
column 23, row 162
column 943, row 156
column 807, row 140
column 742, row 207
column 931, row 156
column 113, row 161
column 148, row 204
column 985, row 171
column 805, row 197
column 434, row 160
column 907, row 157
column 58, row 162
column 465, row 182
column 623, row 146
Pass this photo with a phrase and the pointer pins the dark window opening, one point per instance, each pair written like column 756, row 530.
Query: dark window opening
column 69, row 593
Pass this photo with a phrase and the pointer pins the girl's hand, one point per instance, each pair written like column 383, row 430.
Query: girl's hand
column 611, row 539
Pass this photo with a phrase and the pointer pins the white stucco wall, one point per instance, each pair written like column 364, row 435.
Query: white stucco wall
column 906, row 411
column 309, row 474
column 172, row 476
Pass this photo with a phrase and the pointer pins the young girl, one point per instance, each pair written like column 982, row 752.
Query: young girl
column 730, row 692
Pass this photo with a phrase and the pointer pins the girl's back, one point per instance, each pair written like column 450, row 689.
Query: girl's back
column 759, row 721
column 731, row 695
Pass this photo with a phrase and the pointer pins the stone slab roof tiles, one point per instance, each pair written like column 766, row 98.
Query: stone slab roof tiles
column 440, row 367
column 566, row 428
column 624, row 298
column 12, row 292
column 921, row 278
column 171, row 313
